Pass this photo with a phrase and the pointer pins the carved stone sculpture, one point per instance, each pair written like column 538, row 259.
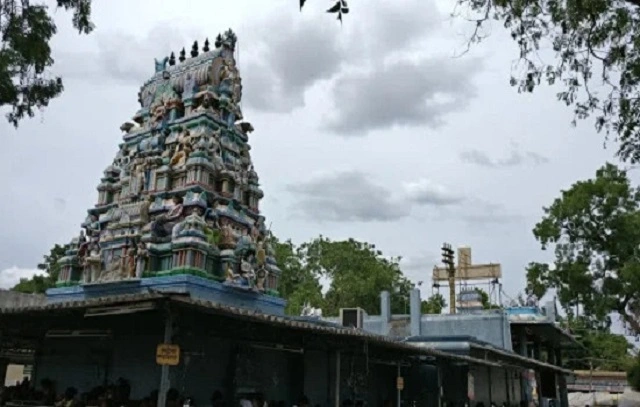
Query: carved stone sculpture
column 92, row 264
column 163, row 225
column 142, row 257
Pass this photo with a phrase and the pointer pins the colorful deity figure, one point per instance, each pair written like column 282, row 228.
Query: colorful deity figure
column 193, row 220
column 163, row 225
column 228, row 240
column 142, row 258
column 261, row 253
column 181, row 153
column 138, row 178
column 83, row 244
column 245, row 241
column 227, row 72
column 261, row 278
column 129, row 266
column 247, row 273
column 206, row 104
column 144, row 209
column 92, row 263
column 92, row 227
column 228, row 272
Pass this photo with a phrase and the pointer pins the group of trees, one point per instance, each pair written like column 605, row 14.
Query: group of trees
column 51, row 268
column 600, row 348
column 354, row 272
column 593, row 229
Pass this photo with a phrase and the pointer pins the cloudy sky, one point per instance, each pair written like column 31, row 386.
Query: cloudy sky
column 377, row 130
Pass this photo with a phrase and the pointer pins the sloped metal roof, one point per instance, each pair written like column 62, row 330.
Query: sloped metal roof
column 274, row 320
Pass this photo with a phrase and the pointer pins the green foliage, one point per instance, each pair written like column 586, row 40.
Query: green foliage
column 594, row 42
column 297, row 284
column 536, row 278
column 633, row 374
column 595, row 229
column 486, row 302
column 608, row 351
column 596, row 62
column 40, row 284
column 600, row 348
column 434, row 304
column 356, row 273
column 25, row 54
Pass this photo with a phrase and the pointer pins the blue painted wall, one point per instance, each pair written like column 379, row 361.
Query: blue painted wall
column 197, row 287
column 491, row 327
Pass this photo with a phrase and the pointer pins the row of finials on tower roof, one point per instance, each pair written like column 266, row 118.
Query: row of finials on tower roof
column 195, row 51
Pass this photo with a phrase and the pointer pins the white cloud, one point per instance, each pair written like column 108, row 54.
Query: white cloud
column 428, row 192
column 11, row 276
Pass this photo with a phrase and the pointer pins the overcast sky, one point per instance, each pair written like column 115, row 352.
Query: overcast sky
column 375, row 130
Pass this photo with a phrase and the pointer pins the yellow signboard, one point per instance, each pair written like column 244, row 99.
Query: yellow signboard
column 472, row 272
column 167, row 354
column 400, row 383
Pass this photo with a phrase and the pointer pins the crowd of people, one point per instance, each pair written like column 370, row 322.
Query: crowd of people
column 25, row 394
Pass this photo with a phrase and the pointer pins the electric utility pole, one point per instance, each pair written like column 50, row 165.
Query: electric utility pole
column 447, row 259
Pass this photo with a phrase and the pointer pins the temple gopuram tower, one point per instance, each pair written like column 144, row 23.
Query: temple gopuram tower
column 178, row 209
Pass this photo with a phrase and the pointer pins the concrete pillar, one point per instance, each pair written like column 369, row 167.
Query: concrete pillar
column 385, row 306
column 522, row 339
column 415, row 312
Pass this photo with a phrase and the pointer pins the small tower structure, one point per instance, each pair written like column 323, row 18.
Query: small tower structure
column 465, row 273
column 181, row 199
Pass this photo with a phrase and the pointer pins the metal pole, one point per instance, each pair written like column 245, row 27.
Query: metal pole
column 399, row 395
column 452, row 290
column 165, row 383
column 337, row 378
